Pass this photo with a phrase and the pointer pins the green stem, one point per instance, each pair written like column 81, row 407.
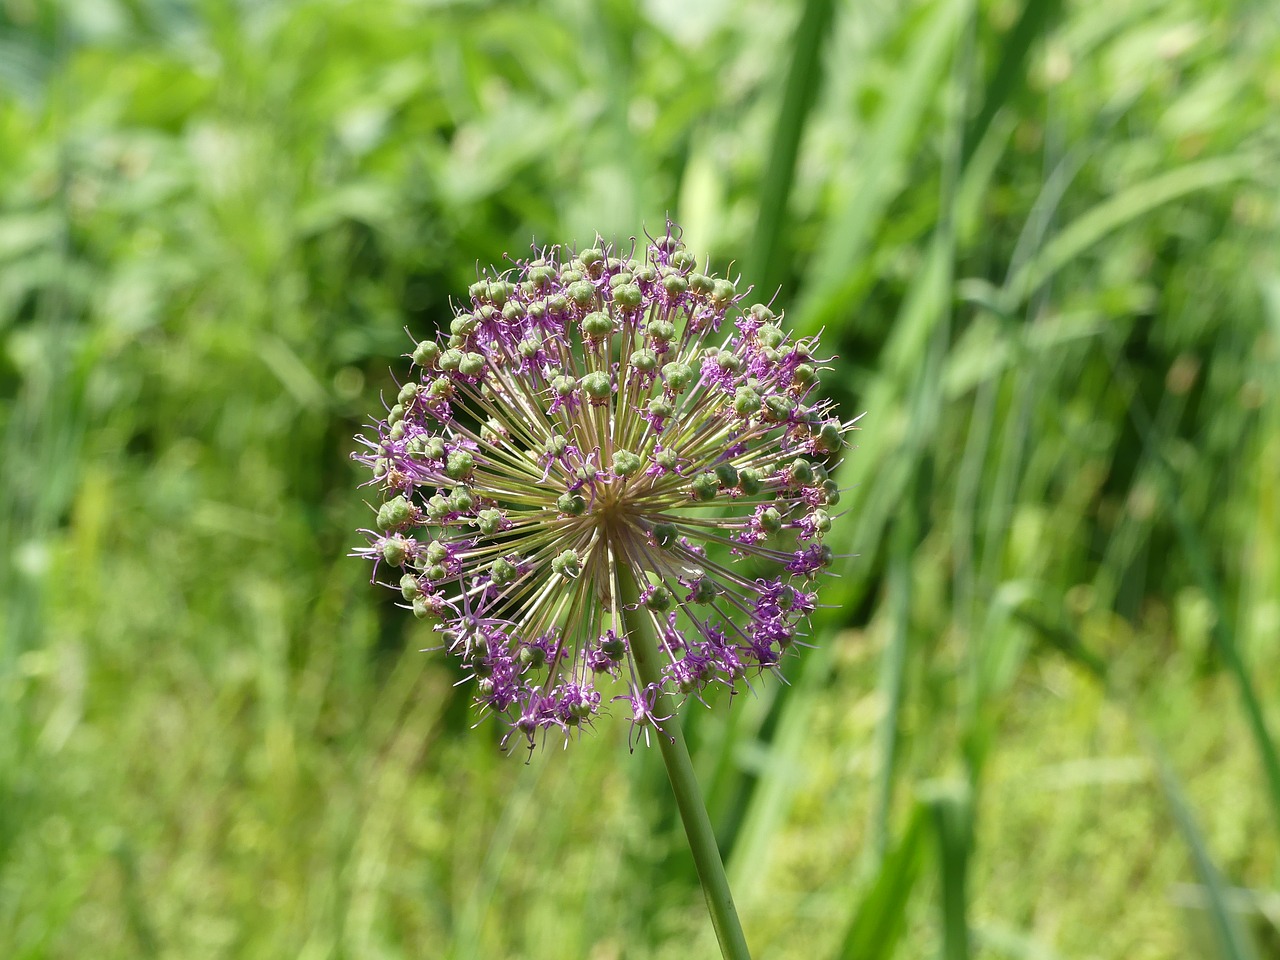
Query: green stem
column 675, row 754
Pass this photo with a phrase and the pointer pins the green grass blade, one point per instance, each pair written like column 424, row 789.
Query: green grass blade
column 804, row 80
column 951, row 814
column 837, row 273
column 1114, row 213
column 877, row 924
column 1010, row 76
column 892, row 679
column 1232, row 942
column 1223, row 631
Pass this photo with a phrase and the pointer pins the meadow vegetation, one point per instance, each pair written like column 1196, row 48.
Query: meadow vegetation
column 1039, row 716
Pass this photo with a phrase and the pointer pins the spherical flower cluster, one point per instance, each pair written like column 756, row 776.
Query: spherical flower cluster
column 592, row 444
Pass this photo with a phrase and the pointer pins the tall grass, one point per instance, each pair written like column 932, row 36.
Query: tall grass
column 1038, row 718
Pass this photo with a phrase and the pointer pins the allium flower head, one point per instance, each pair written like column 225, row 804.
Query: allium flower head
column 597, row 428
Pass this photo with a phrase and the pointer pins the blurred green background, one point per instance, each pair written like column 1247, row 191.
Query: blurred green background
column 1042, row 238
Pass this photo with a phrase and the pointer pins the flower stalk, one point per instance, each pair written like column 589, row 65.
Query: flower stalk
column 684, row 783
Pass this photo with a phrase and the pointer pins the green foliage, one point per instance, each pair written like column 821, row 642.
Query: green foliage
column 1039, row 716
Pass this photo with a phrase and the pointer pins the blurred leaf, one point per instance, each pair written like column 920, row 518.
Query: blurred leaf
column 880, row 917
column 840, row 265
column 950, row 807
column 804, row 80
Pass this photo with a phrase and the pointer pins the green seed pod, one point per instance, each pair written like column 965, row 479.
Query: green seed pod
column 658, row 407
column 424, row 610
column 627, row 296
column 771, row 520
column 727, row 475
column 803, row 375
column 555, row 446
column 503, row 572
column 701, row 284
column 761, row 313
column 558, row 305
column 441, row 388
column 646, row 274
column 435, row 572
column 567, row 564
column 677, row 375
column 674, row 284
column 644, row 360
column 613, row 647
column 704, row 591
column 433, row 448
column 830, row 492
column 586, row 473
column 661, row 331
column 750, row 481
column 426, row 354
column 779, row 407
column 394, row 513
column 380, row 467
column 821, row 521
column 571, row 504
column 571, row 274
column 705, row 487
column 460, row 465
column 396, row 433
column 582, row 293
column 542, row 277
column 659, row 600
column 437, row 552
column 489, row 521
column 829, row 439
column 532, row 657
column 407, row 393
column 620, row 277
column 664, row 535
column 769, row 336
column 786, row 598
column 471, row 364
column 462, row 500
column 683, row 260
column 438, row 507
column 745, row 401
column 597, row 325
column 562, row 386
column 394, row 550
column 395, row 414
column 500, row 292
column 591, row 257
column 409, row 587
column 464, row 325
column 800, row 473
column 450, row 359
column 626, row 463
column 723, row 293
column 667, row 458
column 729, row 361
column 529, row 346
column 596, row 385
